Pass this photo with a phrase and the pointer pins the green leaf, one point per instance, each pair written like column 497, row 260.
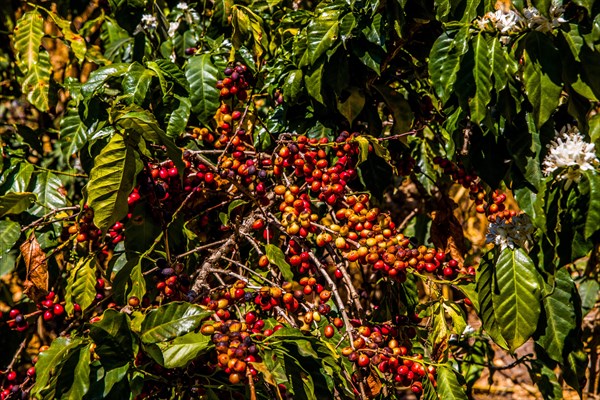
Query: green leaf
column 138, row 282
column 81, row 378
column 136, row 83
column 16, row 203
column 37, row 82
column 74, row 134
column 483, row 82
column 99, row 77
column 594, row 128
column 498, row 63
column 363, row 149
column 27, row 39
column 560, row 322
column 179, row 117
column 233, row 205
column 352, row 105
column 144, row 124
column 82, row 284
column 541, row 76
column 444, row 61
column 178, row 352
column 517, row 302
column 573, row 39
column 313, row 82
column 322, row 33
column 449, row 386
column 439, row 333
column 171, row 320
column 588, row 291
column 201, row 74
column 173, row 72
column 400, row 108
column 76, row 41
column 48, row 186
column 115, row 344
column 111, row 181
column 221, row 12
column 592, row 218
column 574, row 367
column 546, row 380
column 292, row 87
column 11, row 231
column 486, row 285
column 50, row 363
column 457, row 315
column 276, row 256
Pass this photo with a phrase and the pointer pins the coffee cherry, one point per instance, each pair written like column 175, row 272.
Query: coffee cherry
column 329, row 331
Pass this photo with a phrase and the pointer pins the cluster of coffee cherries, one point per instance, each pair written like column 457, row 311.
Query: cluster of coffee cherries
column 172, row 282
column 14, row 387
column 308, row 158
column 51, row 309
column 469, row 180
column 87, row 233
column 17, row 320
column 388, row 348
column 235, row 347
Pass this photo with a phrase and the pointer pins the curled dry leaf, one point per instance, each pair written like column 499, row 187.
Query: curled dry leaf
column 446, row 230
column 36, row 283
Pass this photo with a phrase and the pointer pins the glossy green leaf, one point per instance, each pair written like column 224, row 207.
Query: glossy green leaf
column 171, row 320
column 589, row 289
column 48, row 187
column 322, row 33
column 276, row 257
column 546, row 380
column 201, row 74
column 482, row 74
column 81, row 378
column 592, row 218
column 444, row 61
column 439, row 333
column 142, row 122
column 560, row 322
column 11, row 231
column 115, row 344
column 173, row 72
column 178, row 119
column 178, row 352
column 449, row 386
column 82, row 284
column 136, row 83
column 36, row 82
column 74, row 134
column 111, row 182
column 313, row 82
column 75, row 40
column 16, row 203
column 498, row 63
column 517, row 301
column 50, row 363
column 100, row 76
column 486, row 285
column 352, row 105
column 292, row 87
column 541, row 76
column 221, row 12
column 27, row 39
column 574, row 367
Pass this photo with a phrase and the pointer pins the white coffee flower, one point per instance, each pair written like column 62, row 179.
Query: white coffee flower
column 183, row 6
column 540, row 23
column 468, row 330
column 149, row 22
column 517, row 232
column 173, row 28
column 570, row 154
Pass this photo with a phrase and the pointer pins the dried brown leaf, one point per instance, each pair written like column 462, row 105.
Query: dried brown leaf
column 36, row 283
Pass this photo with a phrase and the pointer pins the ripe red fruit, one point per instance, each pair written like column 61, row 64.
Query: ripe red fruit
column 58, row 310
column 13, row 313
column 31, row 372
column 329, row 331
column 363, row 360
column 48, row 316
column 11, row 376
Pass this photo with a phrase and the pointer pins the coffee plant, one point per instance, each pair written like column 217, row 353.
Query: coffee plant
column 291, row 199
